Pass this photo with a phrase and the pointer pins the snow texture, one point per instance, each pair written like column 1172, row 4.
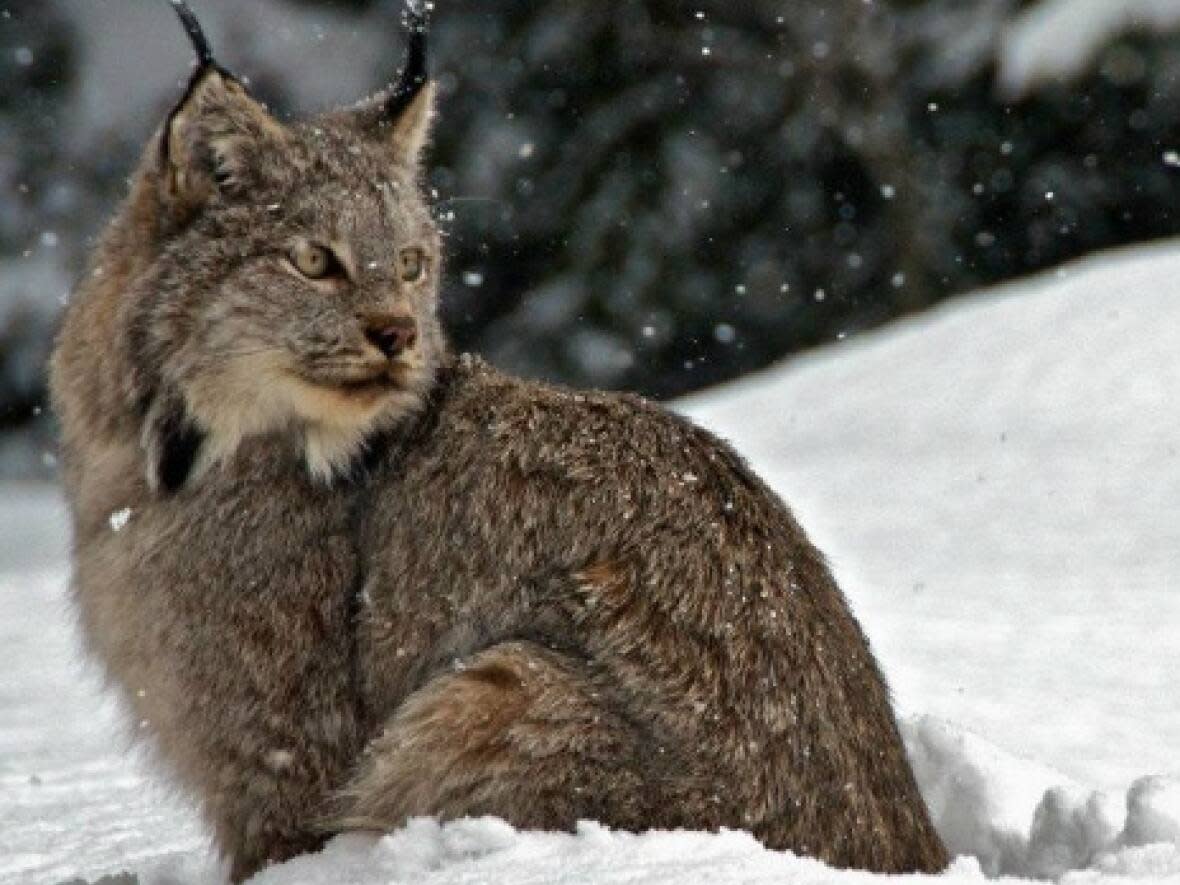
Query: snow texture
column 994, row 483
column 1058, row 39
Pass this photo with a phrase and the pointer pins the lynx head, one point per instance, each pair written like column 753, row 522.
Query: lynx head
column 289, row 277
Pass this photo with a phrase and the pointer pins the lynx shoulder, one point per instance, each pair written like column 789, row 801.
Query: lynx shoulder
column 345, row 578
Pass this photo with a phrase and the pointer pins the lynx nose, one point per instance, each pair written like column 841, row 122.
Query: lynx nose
column 390, row 333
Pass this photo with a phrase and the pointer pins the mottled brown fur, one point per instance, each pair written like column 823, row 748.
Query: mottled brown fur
column 579, row 605
column 353, row 587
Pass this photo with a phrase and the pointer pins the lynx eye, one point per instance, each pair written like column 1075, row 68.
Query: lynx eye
column 316, row 262
column 411, row 264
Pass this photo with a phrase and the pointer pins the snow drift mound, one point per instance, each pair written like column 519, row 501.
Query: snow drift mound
column 1020, row 818
column 981, row 797
column 999, row 814
column 995, row 483
column 990, row 480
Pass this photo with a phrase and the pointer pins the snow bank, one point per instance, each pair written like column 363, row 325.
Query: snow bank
column 487, row 850
column 1001, row 815
column 1153, row 811
column 1021, row 818
column 994, row 483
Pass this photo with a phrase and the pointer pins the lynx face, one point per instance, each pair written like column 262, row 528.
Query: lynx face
column 295, row 283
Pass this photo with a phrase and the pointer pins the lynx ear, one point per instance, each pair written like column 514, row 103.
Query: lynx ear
column 214, row 137
column 400, row 117
column 410, row 130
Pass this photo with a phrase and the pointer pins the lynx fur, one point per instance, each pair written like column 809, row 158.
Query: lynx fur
column 358, row 579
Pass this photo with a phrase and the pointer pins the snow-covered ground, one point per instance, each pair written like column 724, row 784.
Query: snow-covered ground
column 996, row 484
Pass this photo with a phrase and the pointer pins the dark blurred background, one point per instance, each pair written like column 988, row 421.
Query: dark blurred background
column 655, row 196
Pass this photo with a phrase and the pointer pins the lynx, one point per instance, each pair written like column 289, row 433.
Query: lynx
column 344, row 577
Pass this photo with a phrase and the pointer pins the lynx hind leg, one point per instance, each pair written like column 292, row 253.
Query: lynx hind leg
column 519, row 732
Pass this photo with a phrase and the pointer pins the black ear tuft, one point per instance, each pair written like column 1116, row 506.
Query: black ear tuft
column 195, row 33
column 205, row 63
column 413, row 76
column 214, row 137
column 399, row 118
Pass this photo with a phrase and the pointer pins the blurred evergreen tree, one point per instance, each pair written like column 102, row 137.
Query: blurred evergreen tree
column 37, row 49
column 659, row 195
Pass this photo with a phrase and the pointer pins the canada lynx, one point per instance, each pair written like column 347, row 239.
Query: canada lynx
column 346, row 578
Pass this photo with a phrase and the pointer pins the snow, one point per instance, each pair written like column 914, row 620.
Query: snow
column 995, row 483
column 257, row 38
column 1058, row 39
column 119, row 519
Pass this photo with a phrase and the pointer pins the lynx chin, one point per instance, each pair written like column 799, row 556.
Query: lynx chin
column 364, row 579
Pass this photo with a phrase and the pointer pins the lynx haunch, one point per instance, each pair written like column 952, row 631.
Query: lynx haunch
column 363, row 579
